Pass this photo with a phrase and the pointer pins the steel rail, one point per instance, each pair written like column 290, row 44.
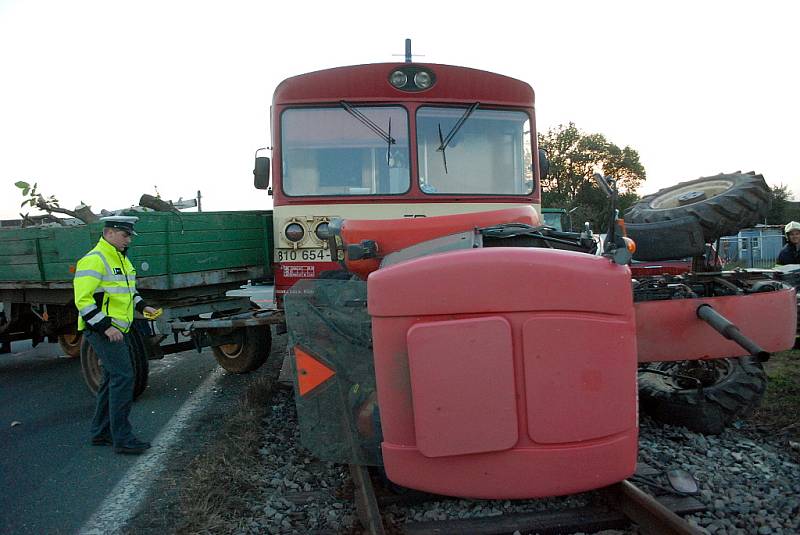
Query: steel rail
column 648, row 513
column 366, row 502
column 623, row 504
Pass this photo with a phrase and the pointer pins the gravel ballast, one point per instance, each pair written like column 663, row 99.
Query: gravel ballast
column 748, row 482
column 300, row 493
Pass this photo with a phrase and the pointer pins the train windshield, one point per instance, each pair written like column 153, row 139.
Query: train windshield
column 470, row 150
column 345, row 150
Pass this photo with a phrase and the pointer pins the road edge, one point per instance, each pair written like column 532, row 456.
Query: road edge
column 128, row 495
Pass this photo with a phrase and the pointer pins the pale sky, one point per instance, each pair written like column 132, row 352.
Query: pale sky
column 101, row 101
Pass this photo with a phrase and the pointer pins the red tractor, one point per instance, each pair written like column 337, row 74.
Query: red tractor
column 500, row 360
column 439, row 330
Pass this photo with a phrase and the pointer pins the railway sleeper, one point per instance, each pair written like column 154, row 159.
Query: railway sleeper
column 614, row 507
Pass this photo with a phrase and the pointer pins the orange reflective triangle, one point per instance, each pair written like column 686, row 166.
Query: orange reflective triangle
column 310, row 372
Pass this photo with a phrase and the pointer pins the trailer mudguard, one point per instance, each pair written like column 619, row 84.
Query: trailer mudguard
column 505, row 372
column 330, row 350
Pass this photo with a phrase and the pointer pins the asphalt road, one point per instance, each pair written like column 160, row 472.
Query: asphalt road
column 51, row 479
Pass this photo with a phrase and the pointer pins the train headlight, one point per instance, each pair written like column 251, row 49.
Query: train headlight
column 398, row 79
column 294, row 232
column 322, row 231
column 422, row 79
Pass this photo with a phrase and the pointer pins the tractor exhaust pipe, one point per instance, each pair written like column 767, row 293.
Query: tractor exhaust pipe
column 730, row 331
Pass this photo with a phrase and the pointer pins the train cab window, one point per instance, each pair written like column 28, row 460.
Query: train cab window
column 345, row 150
column 474, row 151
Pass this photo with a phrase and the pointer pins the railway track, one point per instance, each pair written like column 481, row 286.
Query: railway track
column 616, row 507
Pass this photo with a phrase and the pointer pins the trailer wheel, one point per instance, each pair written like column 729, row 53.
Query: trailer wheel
column 140, row 356
column 248, row 352
column 71, row 343
column 722, row 204
column 731, row 389
column 92, row 368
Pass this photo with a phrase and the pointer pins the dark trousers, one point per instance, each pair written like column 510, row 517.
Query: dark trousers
column 115, row 396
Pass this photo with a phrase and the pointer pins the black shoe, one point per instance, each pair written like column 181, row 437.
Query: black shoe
column 101, row 441
column 134, row 448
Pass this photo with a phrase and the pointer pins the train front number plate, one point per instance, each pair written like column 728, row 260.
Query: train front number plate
column 302, row 255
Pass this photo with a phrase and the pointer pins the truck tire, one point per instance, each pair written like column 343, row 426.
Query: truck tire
column 92, row 369
column 723, row 204
column 71, row 343
column 732, row 388
column 249, row 352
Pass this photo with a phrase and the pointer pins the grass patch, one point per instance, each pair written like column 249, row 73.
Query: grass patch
column 780, row 407
column 218, row 481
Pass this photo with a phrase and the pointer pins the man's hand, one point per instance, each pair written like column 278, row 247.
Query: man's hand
column 113, row 334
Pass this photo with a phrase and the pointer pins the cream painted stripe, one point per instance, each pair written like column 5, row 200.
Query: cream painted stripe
column 308, row 212
column 388, row 211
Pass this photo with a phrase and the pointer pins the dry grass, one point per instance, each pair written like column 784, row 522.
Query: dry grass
column 779, row 410
column 218, row 481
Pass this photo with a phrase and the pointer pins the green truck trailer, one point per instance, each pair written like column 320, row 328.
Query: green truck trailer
column 185, row 264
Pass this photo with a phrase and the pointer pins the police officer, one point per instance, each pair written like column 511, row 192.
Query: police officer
column 791, row 253
column 105, row 295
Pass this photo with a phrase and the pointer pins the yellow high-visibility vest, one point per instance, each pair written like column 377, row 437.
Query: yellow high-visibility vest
column 105, row 289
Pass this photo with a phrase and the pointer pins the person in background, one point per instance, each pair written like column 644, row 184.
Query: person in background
column 791, row 253
column 105, row 295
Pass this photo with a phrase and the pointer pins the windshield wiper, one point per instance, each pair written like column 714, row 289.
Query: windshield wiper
column 444, row 141
column 441, row 148
column 389, row 144
column 369, row 123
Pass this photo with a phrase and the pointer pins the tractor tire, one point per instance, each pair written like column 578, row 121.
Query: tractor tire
column 248, row 353
column 71, row 343
column 733, row 390
column 92, row 368
column 723, row 204
column 667, row 240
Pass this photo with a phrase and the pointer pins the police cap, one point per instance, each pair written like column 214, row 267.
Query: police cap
column 121, row 222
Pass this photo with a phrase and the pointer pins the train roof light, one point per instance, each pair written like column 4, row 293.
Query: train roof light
column 412, row 78
column 399, row 79
column 422, row 79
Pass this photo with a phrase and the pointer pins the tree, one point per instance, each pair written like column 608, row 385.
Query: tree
column 780, row 208
column 51, row 204
column 574, row 157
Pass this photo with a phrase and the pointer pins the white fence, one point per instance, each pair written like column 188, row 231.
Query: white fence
column 750, row 251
